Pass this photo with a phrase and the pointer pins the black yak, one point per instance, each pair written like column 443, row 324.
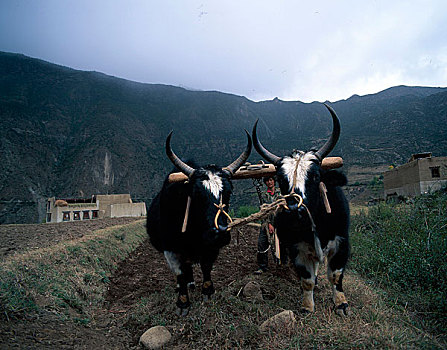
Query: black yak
column 306, row 229
column 199, row 237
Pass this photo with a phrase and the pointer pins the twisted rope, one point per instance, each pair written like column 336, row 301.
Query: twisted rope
column 220, row 210
column 266, row 209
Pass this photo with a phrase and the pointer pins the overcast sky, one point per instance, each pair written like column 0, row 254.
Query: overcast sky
column 294, row 50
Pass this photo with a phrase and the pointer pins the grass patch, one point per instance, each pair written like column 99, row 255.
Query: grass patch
column 246, row 210
column 68, row 278
column 402, row 248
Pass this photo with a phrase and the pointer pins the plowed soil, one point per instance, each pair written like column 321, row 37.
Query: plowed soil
column 144, row 274
column 141, row 294
column 19, row 238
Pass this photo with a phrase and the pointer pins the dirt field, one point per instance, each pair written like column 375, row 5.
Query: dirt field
column 141, row 294
column 19, row 238
column 143, row 274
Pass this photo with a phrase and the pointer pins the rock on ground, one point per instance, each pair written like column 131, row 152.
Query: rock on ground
column 155, row 337
column 252, row 290
column 282, row 322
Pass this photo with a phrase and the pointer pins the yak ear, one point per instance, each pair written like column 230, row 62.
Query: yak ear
column 334, row 178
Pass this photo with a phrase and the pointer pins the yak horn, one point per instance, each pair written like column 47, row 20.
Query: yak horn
column 267, row 155
column 182, row 166
column 330, row 144
column 233, row 167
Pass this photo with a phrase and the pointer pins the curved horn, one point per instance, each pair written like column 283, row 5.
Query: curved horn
column 330, row 144
column 267, row 155
column 233, row 167
column 183, row 167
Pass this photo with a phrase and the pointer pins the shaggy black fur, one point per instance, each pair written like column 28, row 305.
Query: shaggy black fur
column 202, row 241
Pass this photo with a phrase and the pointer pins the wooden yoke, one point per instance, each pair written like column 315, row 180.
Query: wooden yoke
column 261, row 170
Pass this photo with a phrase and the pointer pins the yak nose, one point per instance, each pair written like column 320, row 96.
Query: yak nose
column 223, row 228
column 295, row 203
column 296, row 208
column 293, row 206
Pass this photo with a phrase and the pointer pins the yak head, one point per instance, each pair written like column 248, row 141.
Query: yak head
column 300, row 173
column 209, row 189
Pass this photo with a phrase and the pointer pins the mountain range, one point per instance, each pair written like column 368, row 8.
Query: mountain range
column 70, row 133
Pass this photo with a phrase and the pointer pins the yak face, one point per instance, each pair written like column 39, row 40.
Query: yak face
column 210, row 186
column 300, row 173
column 210, row 191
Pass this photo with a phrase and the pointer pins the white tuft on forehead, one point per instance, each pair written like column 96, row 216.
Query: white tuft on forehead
column 214, row 184
column 304, row 161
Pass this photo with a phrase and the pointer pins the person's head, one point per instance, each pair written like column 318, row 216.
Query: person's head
column 269, row 181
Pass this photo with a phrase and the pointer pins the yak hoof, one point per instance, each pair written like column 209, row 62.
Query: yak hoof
column 192, row 285
column 342, row 310
column 183, row 305
column 208, row 288
column 182, row 311
column 305, row 311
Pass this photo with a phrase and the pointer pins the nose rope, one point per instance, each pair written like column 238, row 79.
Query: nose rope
column 295, row 196
column 220, row 210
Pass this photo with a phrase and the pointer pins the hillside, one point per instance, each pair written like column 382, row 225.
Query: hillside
column 70, row 133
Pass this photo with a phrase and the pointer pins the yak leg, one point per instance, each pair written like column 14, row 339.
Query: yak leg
column 183, row 302
column 181, row 270
column 206, row 264
column 335, row 271
column 308, row 285
column 189, row 276
column 306, row 269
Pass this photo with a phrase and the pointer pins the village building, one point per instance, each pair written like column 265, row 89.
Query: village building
column 422, row 174
column 96, row 207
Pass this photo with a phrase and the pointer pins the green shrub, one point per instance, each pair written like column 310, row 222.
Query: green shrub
column 246, row 210
column 403, row 247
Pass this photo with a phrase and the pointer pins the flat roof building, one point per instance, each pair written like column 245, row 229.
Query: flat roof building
column 96, row 207
column 422, row 174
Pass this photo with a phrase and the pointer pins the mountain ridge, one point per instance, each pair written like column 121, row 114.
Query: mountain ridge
column 60, row 126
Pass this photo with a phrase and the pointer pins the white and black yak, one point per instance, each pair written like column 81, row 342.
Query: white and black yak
column 198, row 240
column 306, row 229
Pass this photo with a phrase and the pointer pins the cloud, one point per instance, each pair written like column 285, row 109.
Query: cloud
column 295, row 50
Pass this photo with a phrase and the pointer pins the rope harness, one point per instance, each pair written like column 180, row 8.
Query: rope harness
column 185, row 220
column 266, row 208
column 281, row 203
column 220, row 210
